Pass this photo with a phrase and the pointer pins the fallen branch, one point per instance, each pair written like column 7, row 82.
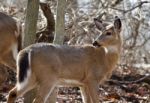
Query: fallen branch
column 145, row 78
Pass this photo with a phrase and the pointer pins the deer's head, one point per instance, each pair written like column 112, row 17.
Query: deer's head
column 110, row 33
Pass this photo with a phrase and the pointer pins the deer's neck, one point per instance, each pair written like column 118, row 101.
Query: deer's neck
column 112, row 53
column 112, row 49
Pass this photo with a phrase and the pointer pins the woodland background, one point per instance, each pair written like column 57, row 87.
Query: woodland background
column 130, row 81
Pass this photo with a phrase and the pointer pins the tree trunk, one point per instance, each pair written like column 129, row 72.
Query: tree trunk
column 60, row 22
column 30, row 32
column 59, row 37
column 30, row 22
column 46, row 35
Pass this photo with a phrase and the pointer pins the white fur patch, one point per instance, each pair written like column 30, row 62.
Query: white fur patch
column 15, row 50
column 68, row 82
column 25, row 82
column 112, row 49
column 106, row 50
column 72, row 81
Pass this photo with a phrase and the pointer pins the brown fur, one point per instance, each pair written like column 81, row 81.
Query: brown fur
column 9, row 35
column 83, row 66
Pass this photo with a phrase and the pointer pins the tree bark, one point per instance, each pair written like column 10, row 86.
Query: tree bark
column 59, row 37
column 60, row 22
column 30, row 22
column 30, row 32
column 47, row 35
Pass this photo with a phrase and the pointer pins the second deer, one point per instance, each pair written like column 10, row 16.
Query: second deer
column 10, row 40
column 47, row 65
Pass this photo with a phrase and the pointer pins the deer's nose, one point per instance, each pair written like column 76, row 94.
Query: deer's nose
column 95, row 43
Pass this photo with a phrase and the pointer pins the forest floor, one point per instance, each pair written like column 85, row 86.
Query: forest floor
column 125, row 86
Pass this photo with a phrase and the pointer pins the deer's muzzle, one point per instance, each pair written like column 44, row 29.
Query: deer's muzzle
column 96, row 44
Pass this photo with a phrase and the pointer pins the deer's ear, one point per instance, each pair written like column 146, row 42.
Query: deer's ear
column 117, row 23
column 99, row 24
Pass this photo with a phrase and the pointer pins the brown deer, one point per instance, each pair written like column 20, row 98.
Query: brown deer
column 10, row 40
column 46, row 65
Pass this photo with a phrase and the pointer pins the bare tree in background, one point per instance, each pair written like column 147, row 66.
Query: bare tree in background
column 46, row 34
column 30, row 22
column 59, row 35
column 60, row 22
column 30, row 33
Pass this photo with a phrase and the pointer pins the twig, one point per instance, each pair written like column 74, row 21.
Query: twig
column 125, row 11
column 145, row 77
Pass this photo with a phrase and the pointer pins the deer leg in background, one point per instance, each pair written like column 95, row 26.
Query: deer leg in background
column 53, row 97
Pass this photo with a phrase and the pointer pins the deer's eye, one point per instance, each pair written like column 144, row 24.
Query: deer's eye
column 108, row 33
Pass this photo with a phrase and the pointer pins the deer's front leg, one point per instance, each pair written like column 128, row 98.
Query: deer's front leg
column 85, row 94
column 44, row 92
column 92, row 89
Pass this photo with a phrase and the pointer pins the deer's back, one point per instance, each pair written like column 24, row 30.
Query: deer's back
column 64, row 60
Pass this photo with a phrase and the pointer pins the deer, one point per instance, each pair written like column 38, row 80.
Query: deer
column 10, row 40
column 45, row 65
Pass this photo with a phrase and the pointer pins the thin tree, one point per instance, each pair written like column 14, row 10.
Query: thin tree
column 30, row 32
column 59, row 29
column 30, row 22
column 60, row 22
column 59, row 36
